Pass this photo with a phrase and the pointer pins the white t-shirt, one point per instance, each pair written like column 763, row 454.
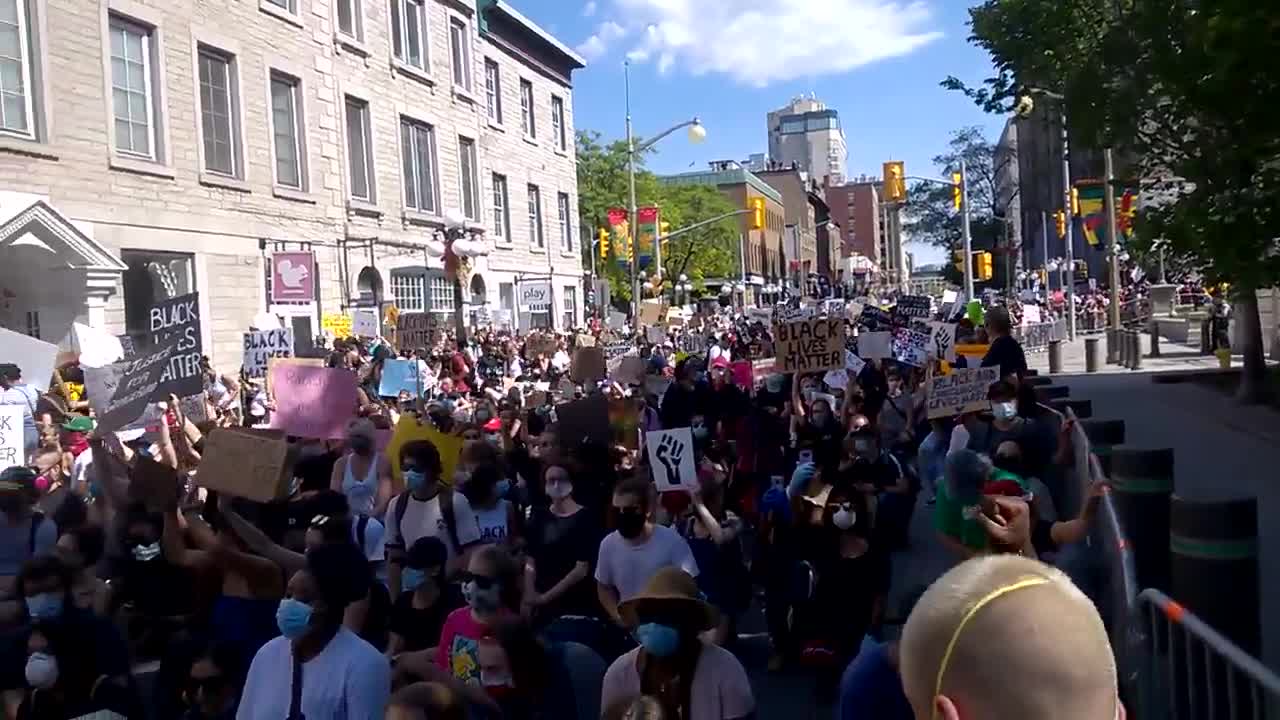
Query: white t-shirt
column 560, row 360
column 80, row 468
column 720, row 690
column 424, row 519
column 493, row 523
column 374, row 541
column 348, row 680
column 628, row 567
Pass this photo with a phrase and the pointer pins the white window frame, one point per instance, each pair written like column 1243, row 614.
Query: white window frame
column 399, row 19
column 564, row 211
column 493, row 90
column 409, row 288
column 501, row 208
column 528, row 119
column 27, row 75
column 275, row 75
column 288, row 10
column 465, row 72
column 233, row 111
column 469, row 181
column 357, row 19
column 119, row 22
column 417, row 126
column 569, row 305
column 536, row 237
column 151, row 21
column 558, row 132
column 440, row 293
column 366, row 140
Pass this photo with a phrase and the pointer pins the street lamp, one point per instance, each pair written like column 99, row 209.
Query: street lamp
column 455, row 245
column 1023, row 109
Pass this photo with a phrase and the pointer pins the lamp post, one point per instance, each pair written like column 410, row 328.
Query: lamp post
column 697, row 133
column 454, row 244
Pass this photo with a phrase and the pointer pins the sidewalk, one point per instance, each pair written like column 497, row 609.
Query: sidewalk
column 1173, row 356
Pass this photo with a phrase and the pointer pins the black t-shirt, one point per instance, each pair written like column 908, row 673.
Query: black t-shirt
column 96, row 635
column 556, row 545
column 1006, row 353
column 847, row 591
column 421, row 628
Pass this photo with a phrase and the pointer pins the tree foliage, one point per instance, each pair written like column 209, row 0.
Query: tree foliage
column 711, row 251
column 931, row 216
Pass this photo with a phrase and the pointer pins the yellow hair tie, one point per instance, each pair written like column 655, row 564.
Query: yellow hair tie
column 955, row 636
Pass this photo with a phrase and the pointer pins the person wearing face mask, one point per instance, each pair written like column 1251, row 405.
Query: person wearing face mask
column 816, row 429
column 213, row 683
column 479, row 477
column 1036, row 438
column 24, row 533
column 153, row 591
column 897, row 418
column 684, row 398
column 318, row 669
column 491, row 589
column 712, row 532
column 531, row 680
column 1005, row 352
column 64, row 682
column 689, row 678
column 426, row 600
column 427, row 509
column 363, row 474
column 563, row 537
column 969, row 481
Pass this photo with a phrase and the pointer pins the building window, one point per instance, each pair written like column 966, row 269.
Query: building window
column 570, row 306
column 350, row 22
column 360, row 150
column 409, row 291
column 152, row 277
column 557, row 122
column 535, row 217
column 501, row 208
column 16, row 77
column 418, row 153
column 493, row 90
column 507, row 296
column 218, row 99
column 409, row 33
column 469, row 178
column 566, row 231
column 132, row 102
column 286, row 131
column 526, row 109
column 441, row 294
column 460, row 49
column 289, row 6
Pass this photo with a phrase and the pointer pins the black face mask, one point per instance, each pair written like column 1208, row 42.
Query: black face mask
column 631, row 524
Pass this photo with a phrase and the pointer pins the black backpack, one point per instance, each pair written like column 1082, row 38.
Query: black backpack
column 446, row 509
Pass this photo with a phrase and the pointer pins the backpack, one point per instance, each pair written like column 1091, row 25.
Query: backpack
column 446, row 509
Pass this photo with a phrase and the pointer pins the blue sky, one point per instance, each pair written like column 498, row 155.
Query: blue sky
column 878, row 62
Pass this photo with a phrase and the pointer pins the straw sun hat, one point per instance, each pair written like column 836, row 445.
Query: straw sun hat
column 671, row 592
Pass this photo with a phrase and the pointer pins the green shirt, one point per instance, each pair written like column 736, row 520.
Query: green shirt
column 948, row 514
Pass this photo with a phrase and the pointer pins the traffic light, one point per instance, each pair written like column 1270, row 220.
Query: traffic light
column 604, row 243
column 957, row 190
column 982, row 261
column 895, row 181
column 957, row 259
column 663, row 228
column 757, row 213
column 1075, row 201
column 1060, row 222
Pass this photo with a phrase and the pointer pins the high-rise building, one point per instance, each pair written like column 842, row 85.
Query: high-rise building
column 806, row 134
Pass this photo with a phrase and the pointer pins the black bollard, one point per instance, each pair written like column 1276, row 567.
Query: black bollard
column 1113, row 346
column 1082, row 408
column 1103, row 435
column 1214, row 565
column 1052, row 392
column 1055, row 356
column 1135, row 350
column 1141, row 483
column 1091, row 354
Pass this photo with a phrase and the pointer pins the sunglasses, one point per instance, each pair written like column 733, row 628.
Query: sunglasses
column 482, row 582
column 207, row 684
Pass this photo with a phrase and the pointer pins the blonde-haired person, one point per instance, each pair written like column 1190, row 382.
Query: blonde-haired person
column 1004, row 636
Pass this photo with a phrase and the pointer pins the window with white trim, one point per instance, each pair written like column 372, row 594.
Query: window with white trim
column 527, row 122
column 132, row 99
column 469, row 178
column 286, row 130
column 409, row 290
column 493, row 90
column 418, row 160
column 360, row 150
column 570, row 305
column 218, row 111
column 441, row 294
column 409, row 39
column 501, row 209
column 350, row 22
column 557, row 122
column 289, row 6
column 460, row 50
column 17, row 80
column 535, row 217
column 566, row 229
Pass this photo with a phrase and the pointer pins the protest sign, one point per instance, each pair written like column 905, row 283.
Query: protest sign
column 852, row 362
column 915, row 306
column 338, row 325
column 415, row 330
column 875, row 345
column 535, row 297
column 617, row 320
column 584, row 419
column 836, row 378
column 313, row 402
column 873, row 318
column 178, row 319
column 502, row 319
column 764, row 316
column 964, row 390
column 35, row 358
column 400, row 376
column 807, row 345
column 944, row 340
column 262, row 345
column 651, row 312
column 121, row 391
column 657, row 385
column 911, row 347
column 584, row 340
column 1030, row 314
column 759, row 349
column 251, row 464
column 541, row 344
column 655, row 335
column 409, row 429
column 949, row 296
column 793, row 314
column 364, row 323
column 13, row 449
column 273, row 362
column 588, row 364
column 671, row 459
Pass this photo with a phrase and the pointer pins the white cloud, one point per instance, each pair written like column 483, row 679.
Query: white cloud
column 589, row 9
column 759, row 42
column 599, row 43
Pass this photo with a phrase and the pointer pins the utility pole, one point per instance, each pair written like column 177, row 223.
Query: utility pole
column 631, row 206
column 968, row 240
column 1044, row 261
column 1113, row 241
column 1070, row 240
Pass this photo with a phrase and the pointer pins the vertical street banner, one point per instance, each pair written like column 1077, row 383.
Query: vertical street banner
column 177, row 320
column 646, row 233
column 293, row 277
column 619, row 230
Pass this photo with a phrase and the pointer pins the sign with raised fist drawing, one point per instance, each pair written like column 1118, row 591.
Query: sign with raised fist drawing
column 671, row 457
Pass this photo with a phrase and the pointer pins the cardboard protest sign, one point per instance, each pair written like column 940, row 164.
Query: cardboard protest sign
column 655, row 335
column 630, row 370
column 121, row 391
column 671, row 459
column 584, row 419
column 764, row 316
column 657, row 385
column 541, row 344
column 836, row 378
column 1030, row 314
column 35, row 358
column 915, row 306
column 584, row 340
column 400, row 376
column 588, row 364
column 415, row 330
column 336, row 324
column 852, row 362
column 808, row 345
column 760, row 349
column 944, row 340
column 409, row 429
column 313, row 402
column 875, row 345
column 364, row 323
column 251, row 464
column 178, row 320
column 262, row 345
column 911, row 347
column 792, row 314
column 651, row 312
column 13, row 449
column 617, row 320
column 964, row 390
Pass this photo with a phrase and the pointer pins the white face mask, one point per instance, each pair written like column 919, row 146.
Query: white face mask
column 42, row 671
column 844, row 519
column 559, row 490
column 1004, row 410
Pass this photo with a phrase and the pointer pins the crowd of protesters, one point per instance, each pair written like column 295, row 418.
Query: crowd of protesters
column 543, row 575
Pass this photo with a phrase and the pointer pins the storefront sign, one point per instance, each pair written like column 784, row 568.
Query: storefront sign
column 293, row 277
column 535, row 297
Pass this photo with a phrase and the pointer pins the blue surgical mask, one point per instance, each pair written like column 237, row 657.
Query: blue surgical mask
column 502, row 487
column 658, row 640
column 414, row 479
column 412, row 578
column 293, row 617
column 44, row 606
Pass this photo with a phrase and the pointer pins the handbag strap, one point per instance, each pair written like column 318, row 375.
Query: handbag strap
column 295, row 700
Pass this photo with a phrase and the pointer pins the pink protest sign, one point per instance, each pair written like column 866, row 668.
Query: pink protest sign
column 313, row 402
column 741, row 373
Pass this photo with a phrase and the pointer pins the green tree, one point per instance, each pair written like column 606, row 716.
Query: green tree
column 1180, row 87
column 710, row 251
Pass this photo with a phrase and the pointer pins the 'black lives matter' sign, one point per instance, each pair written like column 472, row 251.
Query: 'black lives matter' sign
column 809, row 345
column 176, row 322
